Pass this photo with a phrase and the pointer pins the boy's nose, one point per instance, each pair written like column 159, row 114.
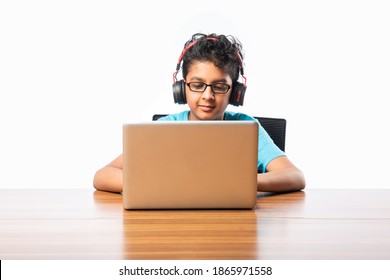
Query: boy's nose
column 208, row 93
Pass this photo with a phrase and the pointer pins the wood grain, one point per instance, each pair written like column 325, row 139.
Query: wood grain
column 87, row 224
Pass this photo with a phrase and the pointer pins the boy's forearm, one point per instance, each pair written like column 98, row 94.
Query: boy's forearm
column 109, row 179
column 283, row 180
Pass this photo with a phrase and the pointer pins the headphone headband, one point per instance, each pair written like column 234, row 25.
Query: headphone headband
column 239, row 58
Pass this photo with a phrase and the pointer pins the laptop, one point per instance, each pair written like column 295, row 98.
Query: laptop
column 190, row 165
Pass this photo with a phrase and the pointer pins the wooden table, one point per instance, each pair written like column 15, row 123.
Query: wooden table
column 88, row 224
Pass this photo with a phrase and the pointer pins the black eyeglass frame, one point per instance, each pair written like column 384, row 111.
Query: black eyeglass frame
column 209, row 85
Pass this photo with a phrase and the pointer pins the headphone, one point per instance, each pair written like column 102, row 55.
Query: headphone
column 179, row 87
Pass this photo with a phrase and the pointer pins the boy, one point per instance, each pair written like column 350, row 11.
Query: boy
column 211, row 68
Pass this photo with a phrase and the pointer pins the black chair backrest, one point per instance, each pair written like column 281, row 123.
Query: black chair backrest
column 275, row 127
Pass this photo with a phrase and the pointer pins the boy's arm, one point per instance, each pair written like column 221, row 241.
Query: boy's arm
column 282, row 176
column 110, row 177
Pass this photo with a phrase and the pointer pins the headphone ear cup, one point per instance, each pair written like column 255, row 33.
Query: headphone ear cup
column 237, row 95
column 179, row 92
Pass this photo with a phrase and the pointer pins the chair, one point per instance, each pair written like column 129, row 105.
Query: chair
column 275, row 127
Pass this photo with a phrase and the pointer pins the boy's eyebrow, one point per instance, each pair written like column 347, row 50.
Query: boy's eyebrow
column 194, row 78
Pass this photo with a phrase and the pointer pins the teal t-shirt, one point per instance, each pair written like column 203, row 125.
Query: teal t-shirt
column 267, row 150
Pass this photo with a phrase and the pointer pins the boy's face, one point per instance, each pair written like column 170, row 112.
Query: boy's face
column 207, row 105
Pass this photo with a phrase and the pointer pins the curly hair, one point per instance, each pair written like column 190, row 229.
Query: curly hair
column 224, row 51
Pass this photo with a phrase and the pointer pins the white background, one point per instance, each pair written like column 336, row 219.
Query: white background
column 72, row 72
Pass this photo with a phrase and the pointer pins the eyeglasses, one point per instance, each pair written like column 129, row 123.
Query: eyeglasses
column 220, row 88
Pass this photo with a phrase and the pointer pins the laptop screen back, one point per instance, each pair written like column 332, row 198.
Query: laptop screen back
column 190, row 164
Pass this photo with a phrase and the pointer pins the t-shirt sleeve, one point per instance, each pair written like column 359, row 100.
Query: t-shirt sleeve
column 267, row 150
